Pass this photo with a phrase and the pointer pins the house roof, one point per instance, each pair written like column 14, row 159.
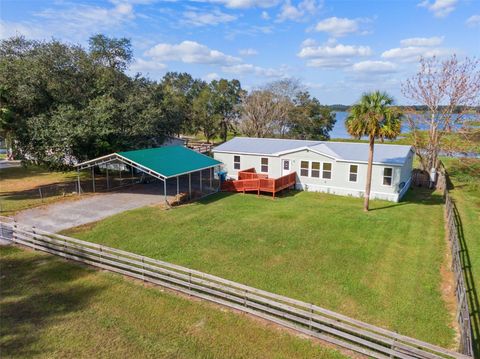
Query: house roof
column 169, row 161
column 341, row 151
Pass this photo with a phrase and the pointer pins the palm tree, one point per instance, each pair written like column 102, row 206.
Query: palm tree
column 374, row 117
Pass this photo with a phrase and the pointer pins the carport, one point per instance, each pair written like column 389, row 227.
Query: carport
column 178, row 169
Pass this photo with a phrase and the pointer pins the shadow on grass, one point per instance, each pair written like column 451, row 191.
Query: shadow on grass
column 221, row 195
column 473, row 301
column 36, row 292
column 416, row 195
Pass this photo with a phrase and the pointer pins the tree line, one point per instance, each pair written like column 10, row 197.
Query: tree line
column 61, row 103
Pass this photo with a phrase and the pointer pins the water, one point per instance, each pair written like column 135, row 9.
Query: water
column 339, row 132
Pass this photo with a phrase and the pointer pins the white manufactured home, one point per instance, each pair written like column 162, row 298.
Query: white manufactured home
column 333, row 167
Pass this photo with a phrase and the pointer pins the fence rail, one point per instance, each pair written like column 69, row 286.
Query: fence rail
column 303, row 317
column 463, row 312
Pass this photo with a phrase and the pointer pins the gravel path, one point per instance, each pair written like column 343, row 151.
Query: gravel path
column 59, row 216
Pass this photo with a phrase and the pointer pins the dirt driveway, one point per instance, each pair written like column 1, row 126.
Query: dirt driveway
column 67, row 214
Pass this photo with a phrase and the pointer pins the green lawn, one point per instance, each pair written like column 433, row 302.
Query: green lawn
column 382, row 267
column 19, row 186
column 465, row 177
column 50, row 308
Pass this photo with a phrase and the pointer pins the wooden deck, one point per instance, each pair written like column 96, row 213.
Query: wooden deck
column 250, row 181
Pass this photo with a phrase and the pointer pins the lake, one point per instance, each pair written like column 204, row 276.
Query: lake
column 339, row 130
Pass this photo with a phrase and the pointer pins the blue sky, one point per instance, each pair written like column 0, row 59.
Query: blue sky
column 338, row 49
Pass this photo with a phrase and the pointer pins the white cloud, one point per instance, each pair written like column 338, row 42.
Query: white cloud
column 308, row 43
column 422, row 41
column 413, row 53
column 298, row 12
column 329, row 63
column 245, row 4
column 249, row 69
column 190, row 52
column 86, row 17
column 72, row 21
column 141, row 65
column 248, row 52
column 439, row 8
column 331, row 55
column 29, row 30
column 211, row 76
column 338, row 26
column 473, row 21
column 374, row 67
column 265, row 15
column 215, row 17
column 334, row 51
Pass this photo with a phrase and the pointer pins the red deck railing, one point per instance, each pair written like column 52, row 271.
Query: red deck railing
column 250, row 174
column 249, row 180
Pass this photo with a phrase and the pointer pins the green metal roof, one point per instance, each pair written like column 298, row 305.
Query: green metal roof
column 170, row 161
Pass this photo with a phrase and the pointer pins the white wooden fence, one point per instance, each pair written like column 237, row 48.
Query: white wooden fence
column 302, row 317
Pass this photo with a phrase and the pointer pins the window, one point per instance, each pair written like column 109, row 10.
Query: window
column 327, row 170
column 352, row 177
column 315, row 169
column 304, row 168
column 264, row 166
column 387, row 176
column 236, row 162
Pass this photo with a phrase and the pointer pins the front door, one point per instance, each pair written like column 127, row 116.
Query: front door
column 286, row 165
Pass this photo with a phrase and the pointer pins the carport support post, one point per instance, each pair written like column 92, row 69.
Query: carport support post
column 93, row 178
column 189, row 186
column 201, row 175
column 78, row 181
column 165, row 189
column 178, row 187
column 108, row 182
column 133, row 180
column 211, row 175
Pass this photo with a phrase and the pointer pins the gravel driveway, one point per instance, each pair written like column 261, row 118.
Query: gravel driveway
column 59, row 216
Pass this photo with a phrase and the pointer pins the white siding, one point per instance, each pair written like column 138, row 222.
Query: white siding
column 339, row 182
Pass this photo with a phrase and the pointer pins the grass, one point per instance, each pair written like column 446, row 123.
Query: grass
column 465, row 189
column 382, row 267
column 19, row 185
column 53, row 308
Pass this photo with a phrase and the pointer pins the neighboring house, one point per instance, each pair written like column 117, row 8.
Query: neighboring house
column 333, row 167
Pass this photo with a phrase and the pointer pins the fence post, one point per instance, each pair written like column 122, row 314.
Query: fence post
column 14, row 229
column 310, row 317
column 33, row 234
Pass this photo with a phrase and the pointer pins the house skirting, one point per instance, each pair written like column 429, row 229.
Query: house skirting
column 392, row 197
column 384, row 196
